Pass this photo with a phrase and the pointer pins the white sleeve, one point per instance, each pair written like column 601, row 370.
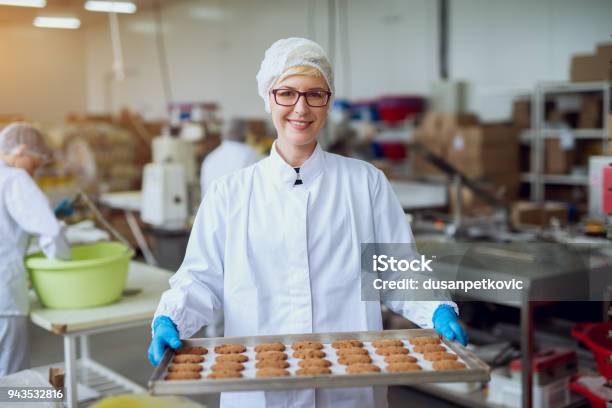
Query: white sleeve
column 196, row 289
column 30, row 209
column 391, row 226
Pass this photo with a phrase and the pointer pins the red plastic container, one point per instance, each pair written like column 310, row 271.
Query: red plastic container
column 594, row 400
column 607, row 190
column 596, row 336
column 395, row 109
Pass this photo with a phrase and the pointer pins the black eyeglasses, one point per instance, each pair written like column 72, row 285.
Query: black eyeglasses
column 289, row 97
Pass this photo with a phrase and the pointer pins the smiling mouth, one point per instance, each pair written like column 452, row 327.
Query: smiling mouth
column 299, row 124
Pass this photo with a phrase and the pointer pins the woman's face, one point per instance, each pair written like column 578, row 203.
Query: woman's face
column 299, row 125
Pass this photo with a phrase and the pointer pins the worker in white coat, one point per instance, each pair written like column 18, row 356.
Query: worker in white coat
column 277, row 245
column 232, row 154
column 24, row 211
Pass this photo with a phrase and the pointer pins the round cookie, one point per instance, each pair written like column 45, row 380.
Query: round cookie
column 309, row 353
column 362, row 369
column 448, row 365
column 272, row 364
column 236, row 358
column 225, row 374
column 354, row 359
column 402, row 367
column 271, row 355
column 227, row 366
column 420, row 340
column 387, row 351
column 399, row 358
column 439, row 356
column 428, row 348
column 307, row 345
column 313, row 371
column 187, row 358
column 342, row 344
column 272, row 372
column 196, row 368
column 183, row 375
column 269, row 347
column 351, row 351
column 387, row 343
column 314, row 362
column 230, row 348
column 200, row 351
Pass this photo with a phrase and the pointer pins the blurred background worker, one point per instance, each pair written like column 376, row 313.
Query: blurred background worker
column 24, row 211
column 233, row 154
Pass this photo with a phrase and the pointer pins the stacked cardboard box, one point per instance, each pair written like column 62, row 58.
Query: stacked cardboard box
column 593, row 67
column 488, row 154
column 435, row 133
column 590, row 112
column 521, row 113
column 541, row 215
column 557, row 159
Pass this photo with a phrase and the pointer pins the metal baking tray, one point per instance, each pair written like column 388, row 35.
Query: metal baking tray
column 476, row 370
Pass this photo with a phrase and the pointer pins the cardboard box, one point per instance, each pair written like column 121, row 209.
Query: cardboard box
column 588, row 67
column 436, row 143
column 521, row 113
column 604, row 50
column 435, row 122
column 541, row 215
column 483, row 151
column 504, row 187
column 590, row 112
column 557, row 159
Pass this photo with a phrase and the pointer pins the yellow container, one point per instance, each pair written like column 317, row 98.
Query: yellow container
column 95, row 276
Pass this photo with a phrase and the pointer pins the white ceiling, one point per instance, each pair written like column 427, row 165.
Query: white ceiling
column 17, row 16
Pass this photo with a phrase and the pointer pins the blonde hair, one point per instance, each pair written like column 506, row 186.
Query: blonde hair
column 306, row 70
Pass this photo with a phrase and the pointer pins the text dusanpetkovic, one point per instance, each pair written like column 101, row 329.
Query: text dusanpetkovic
column 436, row 284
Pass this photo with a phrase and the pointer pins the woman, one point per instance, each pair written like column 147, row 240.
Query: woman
column 24, row 211
column 277, row 244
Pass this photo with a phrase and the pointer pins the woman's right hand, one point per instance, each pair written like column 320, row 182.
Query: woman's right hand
column 164, row 335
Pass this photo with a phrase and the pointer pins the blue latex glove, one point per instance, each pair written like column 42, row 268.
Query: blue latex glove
column 64, row 208
column 164, row 335
column 446, row 322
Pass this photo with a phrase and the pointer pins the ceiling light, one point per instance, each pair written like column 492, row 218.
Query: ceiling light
column 57, row 22
column 24, row 3
column 110, row 6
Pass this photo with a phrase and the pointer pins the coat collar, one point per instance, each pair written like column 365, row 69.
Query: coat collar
column 278, row 170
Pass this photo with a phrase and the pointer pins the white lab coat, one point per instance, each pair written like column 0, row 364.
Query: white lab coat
column 229, row 156
column 280, row 258
column 24, row 211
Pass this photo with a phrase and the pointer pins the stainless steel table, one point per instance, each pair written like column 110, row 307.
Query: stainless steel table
column 540, row 283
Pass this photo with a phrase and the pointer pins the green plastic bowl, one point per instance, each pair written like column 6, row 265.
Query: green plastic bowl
column 95, row 276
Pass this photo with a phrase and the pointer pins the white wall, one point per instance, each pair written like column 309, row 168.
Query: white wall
column 216, row 59
column 42, row 73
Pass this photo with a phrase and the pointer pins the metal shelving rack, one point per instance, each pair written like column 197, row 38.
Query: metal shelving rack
column 539, row 133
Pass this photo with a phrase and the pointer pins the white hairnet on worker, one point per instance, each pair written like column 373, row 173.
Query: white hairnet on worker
column 287, row 53
column 22, row 137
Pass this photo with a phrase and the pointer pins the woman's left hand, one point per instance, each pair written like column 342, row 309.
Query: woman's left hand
column 446, row 322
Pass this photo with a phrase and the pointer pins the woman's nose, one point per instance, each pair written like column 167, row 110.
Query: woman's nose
column 301, row 106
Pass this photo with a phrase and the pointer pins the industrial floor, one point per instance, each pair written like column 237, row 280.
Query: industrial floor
column 132, row 363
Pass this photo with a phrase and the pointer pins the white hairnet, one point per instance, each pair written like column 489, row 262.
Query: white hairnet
column 287, row 53
column 20, row 134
